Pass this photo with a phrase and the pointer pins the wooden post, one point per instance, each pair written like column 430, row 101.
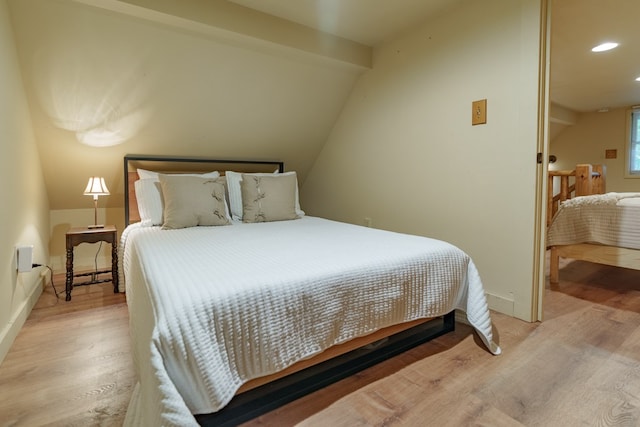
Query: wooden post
column 584, row 180
column 564, row 192
column 564, row 188
column 600, row 181
column 550, row 208
column 554, row 266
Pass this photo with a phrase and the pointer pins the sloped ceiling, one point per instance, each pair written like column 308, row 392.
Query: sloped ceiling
column 103, row 82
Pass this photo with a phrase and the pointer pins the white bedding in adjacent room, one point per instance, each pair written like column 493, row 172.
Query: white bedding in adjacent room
column 611, row 219
column 213, row 307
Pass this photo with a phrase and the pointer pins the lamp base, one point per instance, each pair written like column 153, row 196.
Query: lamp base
column 95, row 226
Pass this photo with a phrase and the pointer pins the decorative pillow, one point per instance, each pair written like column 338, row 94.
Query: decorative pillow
column 149, row 198
column 191, row 201
column 268, row 197
column 149, row 195
column 235, row 194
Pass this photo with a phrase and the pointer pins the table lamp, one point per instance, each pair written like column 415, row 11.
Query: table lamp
column 96, row 187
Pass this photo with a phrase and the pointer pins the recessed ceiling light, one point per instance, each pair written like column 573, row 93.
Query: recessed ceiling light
column 638, row 79
column 604, row 46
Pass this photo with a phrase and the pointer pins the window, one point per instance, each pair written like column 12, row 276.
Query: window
column 633, row 149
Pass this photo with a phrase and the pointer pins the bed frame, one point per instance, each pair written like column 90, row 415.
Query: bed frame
column 264, row 394
column 587, row 180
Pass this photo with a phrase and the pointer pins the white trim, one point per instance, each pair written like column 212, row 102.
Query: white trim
column 627, row 144
column 13, row 327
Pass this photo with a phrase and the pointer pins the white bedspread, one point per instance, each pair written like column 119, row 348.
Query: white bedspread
column 213, row 307
column 611, row 219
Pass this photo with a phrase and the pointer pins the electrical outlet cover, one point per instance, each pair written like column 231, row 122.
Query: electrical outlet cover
column 479, row 112
column 24, row 258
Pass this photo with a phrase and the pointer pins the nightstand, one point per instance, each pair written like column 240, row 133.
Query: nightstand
column 77, row 235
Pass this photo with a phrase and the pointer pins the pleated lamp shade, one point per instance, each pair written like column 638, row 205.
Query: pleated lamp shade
column 96, row 187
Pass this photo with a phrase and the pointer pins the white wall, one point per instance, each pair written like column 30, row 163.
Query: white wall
column 25, row 208
column 404, row 153
column 586, row 141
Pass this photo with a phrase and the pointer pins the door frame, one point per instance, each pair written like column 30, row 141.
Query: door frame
column 540, row 220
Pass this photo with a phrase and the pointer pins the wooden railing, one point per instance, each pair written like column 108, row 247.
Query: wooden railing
column 588, row 179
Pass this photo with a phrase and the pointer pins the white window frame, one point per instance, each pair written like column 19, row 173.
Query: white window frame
column 632, row 151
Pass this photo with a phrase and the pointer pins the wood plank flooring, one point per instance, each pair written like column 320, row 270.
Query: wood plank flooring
column 71, row 365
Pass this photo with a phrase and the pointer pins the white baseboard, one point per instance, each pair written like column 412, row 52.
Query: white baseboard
column 500, row 304
column 10, row 332
column 496, row 303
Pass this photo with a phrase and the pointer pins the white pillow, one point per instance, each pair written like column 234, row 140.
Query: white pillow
column 145, row 174
column 235, row 192
column 149, row 198
column 149, row 195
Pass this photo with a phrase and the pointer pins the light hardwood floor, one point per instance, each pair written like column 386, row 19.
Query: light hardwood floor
column 71, row 365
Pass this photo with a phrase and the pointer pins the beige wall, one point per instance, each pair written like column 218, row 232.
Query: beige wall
column 586, row 141
column 403, row 151
column 167, row 85
column 103, row 77
column 25, row 209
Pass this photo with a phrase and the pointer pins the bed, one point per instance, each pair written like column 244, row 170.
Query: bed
column 587, row 223
column 233, row 320
column 584, row 180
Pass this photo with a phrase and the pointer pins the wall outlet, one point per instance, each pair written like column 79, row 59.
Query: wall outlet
column 24, row 258
column 367, row 222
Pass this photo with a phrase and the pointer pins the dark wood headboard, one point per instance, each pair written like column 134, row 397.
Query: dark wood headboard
column 181, row 164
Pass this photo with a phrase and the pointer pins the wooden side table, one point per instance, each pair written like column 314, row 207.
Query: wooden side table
column 77, row 235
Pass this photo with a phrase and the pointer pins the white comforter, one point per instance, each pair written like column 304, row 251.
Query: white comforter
column 611, row 219
column 213, row 307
